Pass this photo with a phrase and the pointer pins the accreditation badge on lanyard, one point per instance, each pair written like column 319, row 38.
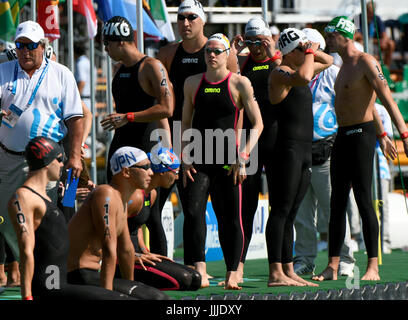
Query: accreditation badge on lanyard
column 15, row 112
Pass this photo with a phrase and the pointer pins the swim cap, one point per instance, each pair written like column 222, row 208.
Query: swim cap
column 126, row 157
column 342, row 25
column 193, row 6
column 257, row 26
column 289, row 39
column 274, row 30
column 315, row 36
column 219, row 37
column 163, row 159
column 118, row 29
column 40, row 152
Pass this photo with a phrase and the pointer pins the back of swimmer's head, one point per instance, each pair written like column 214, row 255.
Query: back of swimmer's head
column 163, row 159
column 40, row 152
column 126, row 157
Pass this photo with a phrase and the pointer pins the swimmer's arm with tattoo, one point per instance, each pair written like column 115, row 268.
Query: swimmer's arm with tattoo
column 374, row 75
column 21, row 212
column 104, row 210
column 154, row 81
column 160, row 87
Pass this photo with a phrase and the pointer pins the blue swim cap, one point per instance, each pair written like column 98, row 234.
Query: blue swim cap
column 163, row 159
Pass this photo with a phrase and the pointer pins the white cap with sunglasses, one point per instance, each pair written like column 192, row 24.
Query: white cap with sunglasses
column 219, row 37
column 30, row 30
column 126, row 157
column 192, row 6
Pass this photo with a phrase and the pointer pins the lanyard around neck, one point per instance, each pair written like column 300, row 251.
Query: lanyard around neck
column 14, row 90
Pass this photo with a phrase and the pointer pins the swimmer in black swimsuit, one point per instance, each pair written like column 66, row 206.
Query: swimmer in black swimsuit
column 213, row 101
column 152, row 269
column 292, row 157
column 42, row 231
column 256, row 66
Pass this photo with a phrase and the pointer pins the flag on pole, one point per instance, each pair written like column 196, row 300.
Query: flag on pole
column 104, row 10
column 160, row 15
column 85, row 7
column 9, row 17
column 48, row 18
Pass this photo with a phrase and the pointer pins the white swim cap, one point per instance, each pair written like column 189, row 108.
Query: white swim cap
column 219, row 37
column 126, row 157
column 193, row 6
column 257, row 26
column 274, row 30
column 289, row 39
column 315, row 36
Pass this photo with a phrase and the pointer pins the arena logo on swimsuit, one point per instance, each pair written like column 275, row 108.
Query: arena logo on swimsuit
column 287, row 38
column 359, row 130
column 189, row 60
column 260, row 68
column 127, row 158
column 212, row 90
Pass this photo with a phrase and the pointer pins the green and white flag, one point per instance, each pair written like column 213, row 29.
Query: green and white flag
column 9, row 17
column 158, row 10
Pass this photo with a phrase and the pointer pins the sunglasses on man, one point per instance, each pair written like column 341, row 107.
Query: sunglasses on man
column 216, row 51
column 30, row 46
column 190, row 17
column 144, row 167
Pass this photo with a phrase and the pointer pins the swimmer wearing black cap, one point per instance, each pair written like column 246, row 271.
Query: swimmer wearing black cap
column 141, row 90
column 42, row 231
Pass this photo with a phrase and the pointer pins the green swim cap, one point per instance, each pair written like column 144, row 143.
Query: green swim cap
column 342, row 25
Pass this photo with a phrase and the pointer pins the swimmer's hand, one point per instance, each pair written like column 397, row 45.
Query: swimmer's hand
column 114, row 121
column 149, row 258
column 238, row 171
column 387, row 147
column 188, row 171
